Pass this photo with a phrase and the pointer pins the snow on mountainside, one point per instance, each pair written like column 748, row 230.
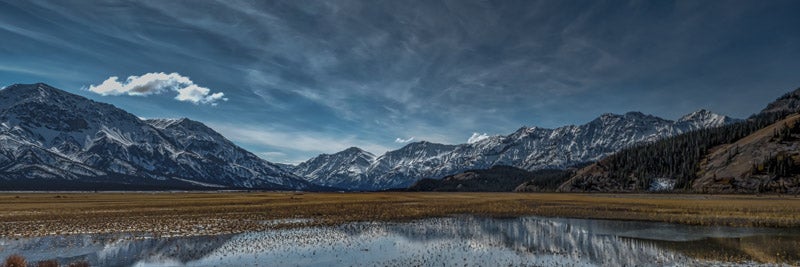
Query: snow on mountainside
column 51, row 137
column 704, row 119
column 529, row 148
column 344, row 167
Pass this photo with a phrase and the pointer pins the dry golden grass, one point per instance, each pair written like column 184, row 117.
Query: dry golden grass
column 214, row 213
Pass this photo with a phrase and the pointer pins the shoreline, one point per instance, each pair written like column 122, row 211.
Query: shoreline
column 206, row 213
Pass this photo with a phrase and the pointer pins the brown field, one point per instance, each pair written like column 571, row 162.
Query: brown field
column 35, row 214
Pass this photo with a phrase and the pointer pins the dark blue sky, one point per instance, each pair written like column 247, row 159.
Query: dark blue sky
column 300, row 78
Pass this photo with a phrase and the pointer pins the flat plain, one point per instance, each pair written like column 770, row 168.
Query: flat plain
column 208, row 213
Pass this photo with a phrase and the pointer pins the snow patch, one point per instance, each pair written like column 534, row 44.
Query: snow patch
column 662, row 185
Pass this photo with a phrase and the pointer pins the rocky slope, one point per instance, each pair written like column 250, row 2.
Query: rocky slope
column 529, row 148
column 51, row 139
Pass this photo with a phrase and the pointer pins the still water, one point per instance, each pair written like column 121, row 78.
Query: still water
column 453, row 241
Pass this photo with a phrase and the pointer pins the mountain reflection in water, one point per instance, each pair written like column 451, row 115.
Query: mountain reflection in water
column 461, row 240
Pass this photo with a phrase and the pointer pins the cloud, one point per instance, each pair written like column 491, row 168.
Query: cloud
column 157, row 83
column 400, row 140
column 476, row 137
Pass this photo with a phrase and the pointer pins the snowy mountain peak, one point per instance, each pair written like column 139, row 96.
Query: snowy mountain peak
column 636, row 114
column 704, row 118
column 525, row 131
column 355, row 150
column 37, row 92
column 698, row 115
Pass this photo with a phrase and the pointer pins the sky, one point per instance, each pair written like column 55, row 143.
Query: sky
column 291, row 79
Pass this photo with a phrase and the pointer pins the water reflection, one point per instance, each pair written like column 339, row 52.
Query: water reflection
column 466, row 240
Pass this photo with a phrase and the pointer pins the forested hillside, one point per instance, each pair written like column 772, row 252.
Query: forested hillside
column 676, row 161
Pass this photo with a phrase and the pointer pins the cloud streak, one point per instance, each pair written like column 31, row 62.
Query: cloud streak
column 157, row 83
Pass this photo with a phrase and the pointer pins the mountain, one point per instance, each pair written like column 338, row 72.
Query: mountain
column 495, row 179
column 51, row 139
column 338, row 170
column 529, row 148
column 752, row 156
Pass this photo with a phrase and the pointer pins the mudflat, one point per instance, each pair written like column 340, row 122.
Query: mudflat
column 208, row 213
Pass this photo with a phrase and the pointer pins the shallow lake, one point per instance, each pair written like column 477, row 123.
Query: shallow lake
column 452, row 241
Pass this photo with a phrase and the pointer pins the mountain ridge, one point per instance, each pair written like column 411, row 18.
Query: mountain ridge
column 528, row 148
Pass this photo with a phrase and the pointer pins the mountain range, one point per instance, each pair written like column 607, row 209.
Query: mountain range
column 528, row 148
column 54, row 140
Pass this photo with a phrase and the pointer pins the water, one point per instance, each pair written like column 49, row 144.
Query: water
column 456, row 241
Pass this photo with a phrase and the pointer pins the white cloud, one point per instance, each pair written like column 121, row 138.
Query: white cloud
column 476, row 137
column 400, row 140
column 157, row 83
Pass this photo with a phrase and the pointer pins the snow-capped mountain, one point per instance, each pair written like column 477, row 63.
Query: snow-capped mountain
column 529, row 148
column 347, row 166
column 49, row 137
column 704, row 119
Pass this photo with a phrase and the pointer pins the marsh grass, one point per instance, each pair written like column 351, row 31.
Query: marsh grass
column 219, row 213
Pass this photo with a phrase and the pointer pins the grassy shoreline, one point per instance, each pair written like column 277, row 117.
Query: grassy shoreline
column 208, row 213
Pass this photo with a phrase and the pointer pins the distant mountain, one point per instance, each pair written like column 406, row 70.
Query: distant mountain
column 341, row 170
column 529, row 148
column 51, row 139
column 752, row 156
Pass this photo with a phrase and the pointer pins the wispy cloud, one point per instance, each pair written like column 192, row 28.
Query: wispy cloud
column 158, row 83
column 401, row 140
column 355, row 73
